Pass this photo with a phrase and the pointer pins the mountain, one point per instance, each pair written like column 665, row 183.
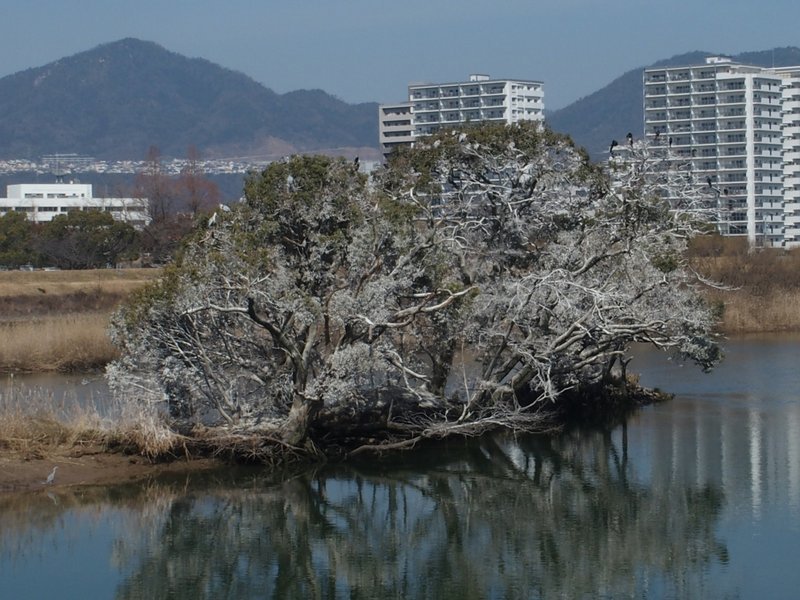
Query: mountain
column 611, row 112
column 118, row 99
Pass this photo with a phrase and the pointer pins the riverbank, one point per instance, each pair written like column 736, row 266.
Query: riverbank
column 88, row 465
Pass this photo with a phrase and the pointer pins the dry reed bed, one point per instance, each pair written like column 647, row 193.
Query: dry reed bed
column 58, row 320
column 29, row 295
column 30, row 283
column 764, row 285
column 743, row 312
column 77, row 342
column 34, row 425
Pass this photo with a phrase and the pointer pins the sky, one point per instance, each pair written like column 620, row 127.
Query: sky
column 370, row 50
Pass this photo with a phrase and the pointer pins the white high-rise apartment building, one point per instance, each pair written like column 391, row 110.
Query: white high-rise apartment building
column 725, row 120
column 431, row 107
column 790, row 111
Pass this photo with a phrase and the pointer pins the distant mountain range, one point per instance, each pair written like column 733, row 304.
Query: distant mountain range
column 118, row 99
column 615, row 110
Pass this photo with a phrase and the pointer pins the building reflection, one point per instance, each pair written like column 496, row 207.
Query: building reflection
column 745, row 445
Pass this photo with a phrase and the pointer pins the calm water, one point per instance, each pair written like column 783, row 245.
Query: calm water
column 696, row 498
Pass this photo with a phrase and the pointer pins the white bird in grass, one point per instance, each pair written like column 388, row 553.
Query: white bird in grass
column 52, row 477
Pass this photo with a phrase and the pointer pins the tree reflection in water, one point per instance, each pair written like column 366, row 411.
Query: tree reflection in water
column 499, row 517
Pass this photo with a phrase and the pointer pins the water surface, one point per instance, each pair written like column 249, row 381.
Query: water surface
column 695, row 498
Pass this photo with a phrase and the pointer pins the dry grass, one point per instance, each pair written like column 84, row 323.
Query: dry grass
column 744, row 312
column 37, row 294
column 765, row 284
column 58, row 320
column 31, row 283
column 33, row 424
column 70, row 343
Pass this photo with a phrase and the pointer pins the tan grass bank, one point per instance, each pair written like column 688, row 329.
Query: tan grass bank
column 58, row 320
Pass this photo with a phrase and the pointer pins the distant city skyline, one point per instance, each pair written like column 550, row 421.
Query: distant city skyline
column 363, row 50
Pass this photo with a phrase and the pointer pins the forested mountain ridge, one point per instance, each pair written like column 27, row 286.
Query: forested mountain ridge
column 116, row 100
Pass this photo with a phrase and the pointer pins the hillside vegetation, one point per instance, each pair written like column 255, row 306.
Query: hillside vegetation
column 116, row 100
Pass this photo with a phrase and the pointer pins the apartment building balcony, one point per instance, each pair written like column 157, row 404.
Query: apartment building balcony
column 705, row 140
column 703, row 87
column 427, row 107
column 426, row 95
column 659, row 90
column 679, row 102
column 731, row 99
column 704, row 114
column 679, row 76
column 792, row 131
column 706, row 126
column 791, row 155
column 789, row 106
column 683, row 90
column 451, row 119
column 493, row 91
column 733, row 153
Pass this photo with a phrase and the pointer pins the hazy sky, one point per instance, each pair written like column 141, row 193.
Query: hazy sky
column 369, row 50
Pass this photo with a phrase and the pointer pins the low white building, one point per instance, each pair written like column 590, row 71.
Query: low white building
column 41, row 202
column 394, row 126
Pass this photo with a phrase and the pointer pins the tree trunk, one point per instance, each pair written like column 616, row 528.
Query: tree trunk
column 297, row 423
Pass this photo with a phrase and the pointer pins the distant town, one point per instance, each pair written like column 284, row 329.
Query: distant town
column 73, row 163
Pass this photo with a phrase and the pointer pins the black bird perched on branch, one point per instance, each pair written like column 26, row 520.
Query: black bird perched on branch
column 613, row 145
column 355, row 163
column 708, row 181
column 629, row 137
column 670, row 141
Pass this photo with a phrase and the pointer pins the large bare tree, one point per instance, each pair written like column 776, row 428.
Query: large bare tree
column 480, row 277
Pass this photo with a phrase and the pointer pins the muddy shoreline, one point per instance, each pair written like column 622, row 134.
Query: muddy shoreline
column 89, row 466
